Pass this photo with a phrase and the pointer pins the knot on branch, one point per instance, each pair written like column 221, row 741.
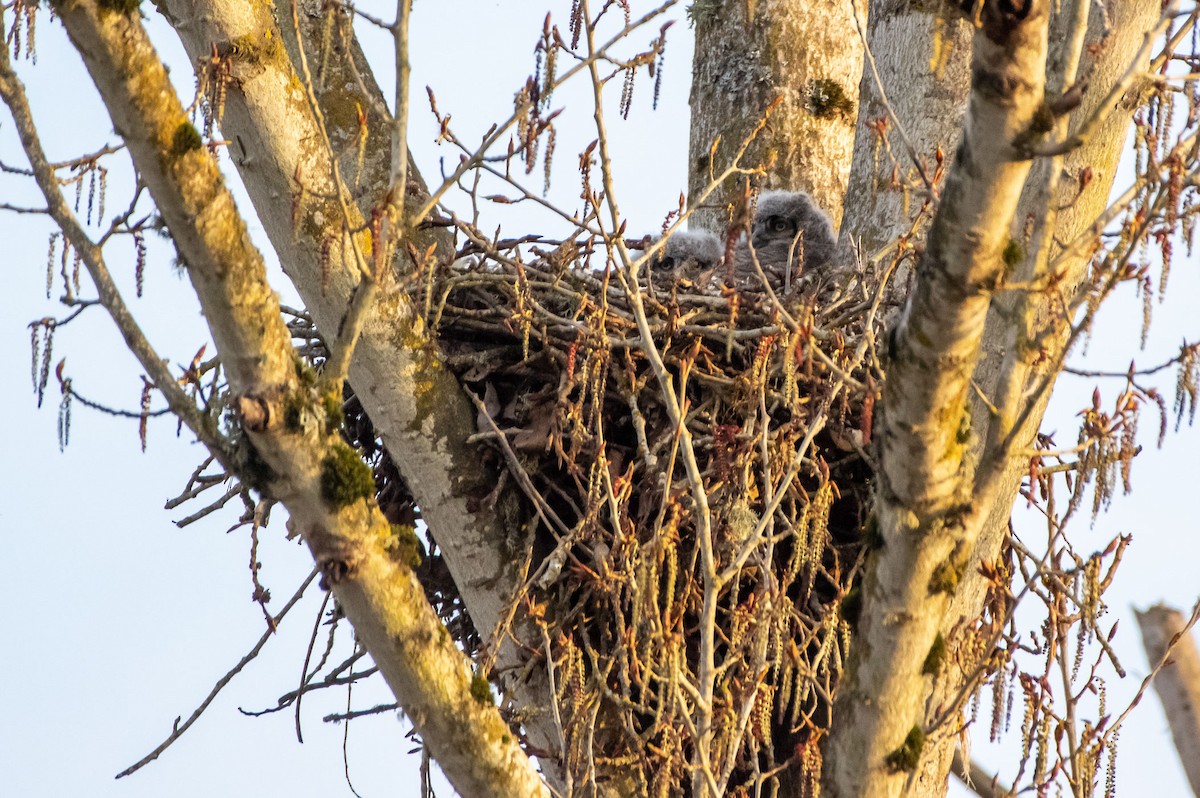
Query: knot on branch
column 254, row 412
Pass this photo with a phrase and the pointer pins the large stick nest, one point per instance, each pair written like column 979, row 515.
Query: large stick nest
column 777, row 394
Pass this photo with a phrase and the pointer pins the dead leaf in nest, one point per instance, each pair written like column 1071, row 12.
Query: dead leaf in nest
column 491, row 406
column 537, row 435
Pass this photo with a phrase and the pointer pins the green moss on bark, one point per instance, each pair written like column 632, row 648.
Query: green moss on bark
column 293, row 411
column 185, row 139
column 936, row 657
column 119, row 6
column 405, row 547
column 481, row 691
column 331, row 404
column 945, row 578
column 345, row 478
column 828, row 100
column 908, row 755
column 1012, row 256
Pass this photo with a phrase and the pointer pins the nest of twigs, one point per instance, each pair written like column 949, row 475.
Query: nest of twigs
column 637, row 592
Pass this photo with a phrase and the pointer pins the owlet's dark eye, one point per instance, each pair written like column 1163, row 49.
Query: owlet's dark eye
column 778, row 224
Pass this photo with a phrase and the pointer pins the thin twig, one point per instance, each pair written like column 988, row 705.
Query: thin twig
column 304, row 677
column 1158, row 666
column 908, row 145
column 178, row 729
column 1111, row 101
column 13, row 92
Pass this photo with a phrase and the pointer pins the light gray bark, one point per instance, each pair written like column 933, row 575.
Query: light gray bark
column 363, row 559
column 1178, row 683
column 921, row 502
column 750, row 54
column 922, row 55
column 414, row 402
column 1129, row 20
column 422, row 414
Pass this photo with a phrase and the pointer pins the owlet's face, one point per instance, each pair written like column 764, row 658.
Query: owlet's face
column 689, row 250
column 791, row 233
column 773, row 228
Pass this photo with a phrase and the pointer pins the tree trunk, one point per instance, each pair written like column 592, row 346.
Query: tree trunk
column 922, row 60
column 947, row 473
column 1129, row 22
column 911, row 106
column 750, row 53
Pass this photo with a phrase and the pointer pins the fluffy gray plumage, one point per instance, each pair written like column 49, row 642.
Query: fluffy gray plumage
column 791, row 236
column 691, row 250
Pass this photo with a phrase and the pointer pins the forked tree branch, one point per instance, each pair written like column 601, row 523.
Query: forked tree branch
column 921, row 503
column 413, row 400
column 321, row 482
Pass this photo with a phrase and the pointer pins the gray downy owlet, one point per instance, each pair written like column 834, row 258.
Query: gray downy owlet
column 687, row 253
column 791, row 236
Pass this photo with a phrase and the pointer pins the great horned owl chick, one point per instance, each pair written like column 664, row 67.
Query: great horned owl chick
column 790, row 235
column 690, row 250
column 689, row 254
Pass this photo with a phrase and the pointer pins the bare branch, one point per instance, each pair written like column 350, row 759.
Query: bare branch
column 313, row 473
column 204, row 428
column 180, row 728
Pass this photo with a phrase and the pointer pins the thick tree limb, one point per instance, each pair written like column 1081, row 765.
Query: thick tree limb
column 921, row 501
column 311, row 471
column 1121, row 25
column 414, row 402
column 937, row 340
column 807, row 55
column 1165, row 634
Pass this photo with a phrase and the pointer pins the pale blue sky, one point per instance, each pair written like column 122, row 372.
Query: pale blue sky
column 118, row 621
